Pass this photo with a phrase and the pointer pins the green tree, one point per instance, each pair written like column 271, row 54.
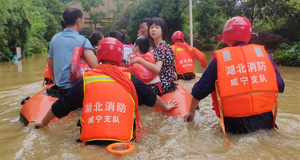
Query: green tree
column 53, row 16
column 4, row 11
column 14, row 26
column 36, row 42
column 208, row 20
column 265, row 14
column 121, row 16
column 92, row 7
column 169, row 10
column 29, row 24
column 266, row 10
column 44, row 17
column 291, row 24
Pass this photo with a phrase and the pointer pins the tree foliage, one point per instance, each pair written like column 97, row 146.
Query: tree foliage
column 169, row 10
column 121, row 16
column 209, row 16
column 14, row 27
column 290, row 27
column 92, row 7
column 29, row 24
column 32, row 23
column 208, row 22
column 263, row 14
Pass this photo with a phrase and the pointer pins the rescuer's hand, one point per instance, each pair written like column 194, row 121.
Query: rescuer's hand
column 37, row 124
column 189, row 116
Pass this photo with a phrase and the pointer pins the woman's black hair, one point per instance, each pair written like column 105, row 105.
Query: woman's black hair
column 95, row 37
column 118, row 35
column 160, row 22
column 143, row 44
column 122, row 31
column 146, row 20
column 70, row 16
column 126, row 39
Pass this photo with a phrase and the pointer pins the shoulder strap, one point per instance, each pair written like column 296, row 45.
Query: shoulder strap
column 221, row 114
column 163, row 49
column 84, row 42
column 82, row 53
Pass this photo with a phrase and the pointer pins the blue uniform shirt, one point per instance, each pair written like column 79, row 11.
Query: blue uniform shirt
column 61, row 50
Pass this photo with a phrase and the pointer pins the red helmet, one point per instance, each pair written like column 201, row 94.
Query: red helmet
column 110, row 49
column 237, row 29
column 177, row 35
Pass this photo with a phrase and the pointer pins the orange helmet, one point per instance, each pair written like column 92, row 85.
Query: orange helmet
column 237, row 29
column 110, row 49
column 177, row 35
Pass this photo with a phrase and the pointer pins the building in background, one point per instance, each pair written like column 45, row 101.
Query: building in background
column 107, row 8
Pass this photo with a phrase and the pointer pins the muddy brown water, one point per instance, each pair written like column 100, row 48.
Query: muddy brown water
column 166, row 137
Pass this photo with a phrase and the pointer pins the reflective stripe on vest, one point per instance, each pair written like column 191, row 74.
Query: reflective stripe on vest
column 246, row 80
column 226, row 55
column 97, row 79
column 108, row 109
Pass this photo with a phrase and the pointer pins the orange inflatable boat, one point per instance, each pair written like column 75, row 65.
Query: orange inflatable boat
column 182, row 96
column 36, row 107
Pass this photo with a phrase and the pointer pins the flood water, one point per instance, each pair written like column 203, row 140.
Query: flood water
column 166, row 137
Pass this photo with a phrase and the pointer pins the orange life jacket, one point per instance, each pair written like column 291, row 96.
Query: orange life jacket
column 108, row 111
column 47, row 75
column 246, row 82
column 184, row 59
column 140, row 71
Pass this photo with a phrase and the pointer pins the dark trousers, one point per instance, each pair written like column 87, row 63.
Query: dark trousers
column 249, row 124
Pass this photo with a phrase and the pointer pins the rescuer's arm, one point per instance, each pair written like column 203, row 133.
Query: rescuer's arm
column 50, row 60
column 90, row 58
column 280, row 82
column 200, row 57
column 50, row 66
column 89, row 54
column 45, row 120
column 203, row 88
column 206, row 84
column 190, row 115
